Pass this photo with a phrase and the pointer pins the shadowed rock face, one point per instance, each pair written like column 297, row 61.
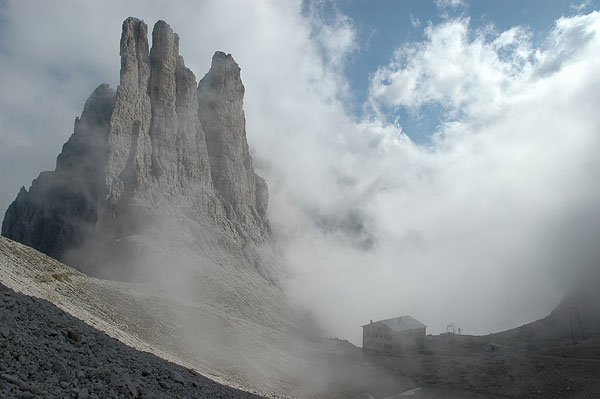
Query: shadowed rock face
column 60, row 209
column 157, row 149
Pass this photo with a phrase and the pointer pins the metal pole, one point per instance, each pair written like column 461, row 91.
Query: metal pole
column 571, row 324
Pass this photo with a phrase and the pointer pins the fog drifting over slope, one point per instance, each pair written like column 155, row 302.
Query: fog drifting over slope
column 486, row 227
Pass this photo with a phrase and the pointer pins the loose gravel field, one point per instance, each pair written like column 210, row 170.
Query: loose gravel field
column 47, row 353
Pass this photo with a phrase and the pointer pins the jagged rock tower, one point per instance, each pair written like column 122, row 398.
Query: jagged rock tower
column 160, row 160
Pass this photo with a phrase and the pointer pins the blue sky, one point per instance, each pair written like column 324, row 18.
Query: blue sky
column 383, row 26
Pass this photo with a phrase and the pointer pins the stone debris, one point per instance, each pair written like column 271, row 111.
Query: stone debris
column 93, row 366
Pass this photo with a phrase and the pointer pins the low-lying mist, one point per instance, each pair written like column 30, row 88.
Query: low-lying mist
column 490, row 224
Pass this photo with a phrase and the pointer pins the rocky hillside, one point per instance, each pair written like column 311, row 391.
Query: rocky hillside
column 158, row 151
column 51, row 354
column 155, row 192
column 220, row 338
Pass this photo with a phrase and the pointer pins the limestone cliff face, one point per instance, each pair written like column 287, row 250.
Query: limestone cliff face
column 243, row 193
column 158, row 149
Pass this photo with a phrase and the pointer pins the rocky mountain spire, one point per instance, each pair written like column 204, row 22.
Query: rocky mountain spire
column 128, row 141
column 159, row 146
column 220, row 99
column 156, row 140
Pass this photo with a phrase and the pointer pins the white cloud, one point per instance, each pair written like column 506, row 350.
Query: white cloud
column 460, row 69
column 337, row 39
column 450, row 3
column 569, row 41
column 481, row 228
column 414, row 21
column 582, row 6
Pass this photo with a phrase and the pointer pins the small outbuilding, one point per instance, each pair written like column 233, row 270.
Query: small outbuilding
column 394, row 335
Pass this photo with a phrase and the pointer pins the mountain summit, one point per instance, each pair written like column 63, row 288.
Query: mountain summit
column 162, row 158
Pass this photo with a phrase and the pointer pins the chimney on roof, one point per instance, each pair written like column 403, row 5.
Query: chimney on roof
column 371, row 322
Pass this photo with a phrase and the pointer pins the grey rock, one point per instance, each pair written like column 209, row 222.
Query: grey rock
column 159, row 148
column 73, row 335
column 132, row 389
column 13, row 379
column 5, row 331
column 128, row 139
column 243, row 192
column 179, row 155
column 175, row 376
column 59, row 368
column 51, row 332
